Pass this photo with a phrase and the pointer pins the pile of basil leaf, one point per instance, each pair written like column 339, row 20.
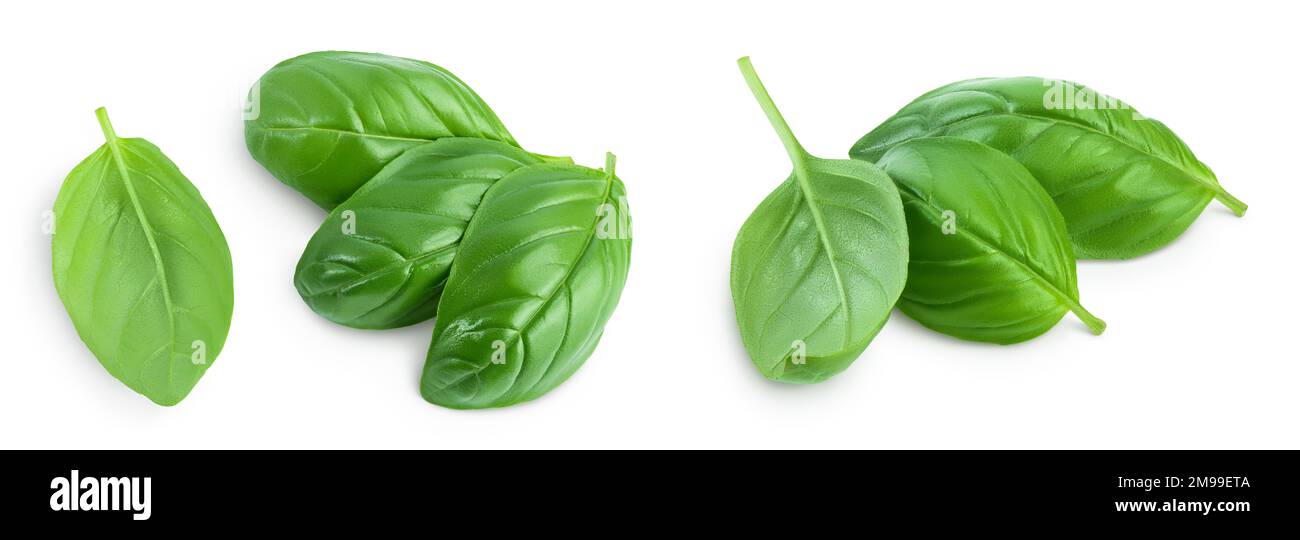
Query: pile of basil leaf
column 967, row 210
column 436, row 210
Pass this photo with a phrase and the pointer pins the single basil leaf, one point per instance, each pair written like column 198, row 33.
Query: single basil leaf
column 817, row 268
column 326, row 122
column 142, row 267
column 537, row 275
column 1125, row 184
column 991, row 260
column 382, row 257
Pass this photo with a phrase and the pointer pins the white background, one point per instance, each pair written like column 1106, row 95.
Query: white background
column 1199, row 354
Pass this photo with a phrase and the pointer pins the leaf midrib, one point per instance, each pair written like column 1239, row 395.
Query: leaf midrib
column 118, row 158
column 347, row 132
column 1211, row 185
column 802, row 173
column 399, row 263
column 609, row 185
column 933, row 211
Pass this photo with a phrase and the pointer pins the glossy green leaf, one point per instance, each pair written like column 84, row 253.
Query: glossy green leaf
column 537, row 275
column 142, row 268
column 991, row 259
column 817, row 268
column 1125, row 184
column 326, row 122
column 382, row 257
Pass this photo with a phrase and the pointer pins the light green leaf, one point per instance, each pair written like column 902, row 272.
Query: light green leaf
column 142, row 267
column 818, row 266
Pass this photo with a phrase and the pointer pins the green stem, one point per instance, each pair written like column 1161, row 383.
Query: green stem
column 1096, row 325
column 1236, row 205
column 104, row 124
column 792, row 145
column 803, row 177
column 609, row 163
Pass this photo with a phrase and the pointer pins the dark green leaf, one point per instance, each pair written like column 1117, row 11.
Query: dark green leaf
column 991, row 260
column 818, row 266
column 326, row 122
column 142, row 268
column 1125, row 184
column 381, row 258
column 537, row 275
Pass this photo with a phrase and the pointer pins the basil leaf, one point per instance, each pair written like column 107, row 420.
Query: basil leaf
column 381, row 258
column 1125, row 184
column 818, row 266
column 537, row 275
column 991, row 260
column 142, row 267
column 326, row 122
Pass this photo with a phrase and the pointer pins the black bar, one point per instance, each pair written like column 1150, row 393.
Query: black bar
column 927, row 487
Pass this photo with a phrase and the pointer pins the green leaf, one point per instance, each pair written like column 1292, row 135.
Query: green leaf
column 817, row 268
column 537, row 275
column 326, row 122
column 382, row 257
column 142, row 267
column 1125, row 184
column 991, row 260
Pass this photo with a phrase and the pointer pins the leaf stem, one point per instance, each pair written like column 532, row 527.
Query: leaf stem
column 1096, row 325
column 609, row 163
column 104, row 124
column 1236, row 205
column 792, row 145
